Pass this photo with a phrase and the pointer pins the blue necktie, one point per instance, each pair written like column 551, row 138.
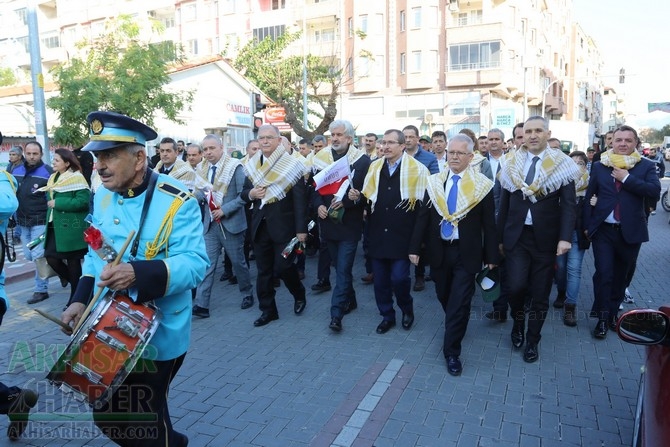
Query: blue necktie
column 530, row 176
column 446, row 228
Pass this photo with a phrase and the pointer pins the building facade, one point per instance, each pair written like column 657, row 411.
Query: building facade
column 437, row 64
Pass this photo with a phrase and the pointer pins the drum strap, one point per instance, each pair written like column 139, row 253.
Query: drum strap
column 147, row 201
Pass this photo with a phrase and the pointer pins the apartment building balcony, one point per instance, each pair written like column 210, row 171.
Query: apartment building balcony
column 480, row 32
column 319, row 11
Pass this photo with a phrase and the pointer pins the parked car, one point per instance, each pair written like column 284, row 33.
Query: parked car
column 652, row 417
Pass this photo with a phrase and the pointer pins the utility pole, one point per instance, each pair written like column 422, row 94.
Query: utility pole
column 38, row 82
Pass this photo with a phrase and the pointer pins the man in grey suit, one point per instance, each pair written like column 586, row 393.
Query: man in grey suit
column 225, row 223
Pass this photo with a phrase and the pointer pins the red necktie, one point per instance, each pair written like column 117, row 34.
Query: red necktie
column 617, row 208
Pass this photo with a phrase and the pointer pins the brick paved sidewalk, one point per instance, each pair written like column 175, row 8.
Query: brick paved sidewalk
column 296, row 383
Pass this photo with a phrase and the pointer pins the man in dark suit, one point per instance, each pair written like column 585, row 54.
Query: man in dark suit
column 623, row 182
column 340, row 218
column 535, row 224
column 395, row 186
column 279, row 198
column 461, row 233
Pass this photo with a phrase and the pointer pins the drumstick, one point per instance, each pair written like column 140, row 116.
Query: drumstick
column 116, row 261
column 54, row 319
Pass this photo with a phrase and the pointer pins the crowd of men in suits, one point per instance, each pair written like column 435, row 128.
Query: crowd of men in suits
column 445, row 207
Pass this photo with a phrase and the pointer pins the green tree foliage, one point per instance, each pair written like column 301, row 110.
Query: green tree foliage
column 655, row 136
column 7, row 77
column 281, row 77
column 117, row 72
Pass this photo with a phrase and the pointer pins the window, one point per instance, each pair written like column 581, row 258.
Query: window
column 192, row 46
column 403, row 63
column 402, row 20
column 364, row 23
column 324, row 35
column 416, row 61
column 474, row 56
column 269, row 31
column 188, row 12
column 23, row 15
column 52, row 41
column 416, row 17
column 24, row 42
column 278, row 4
column 350, row 27
column 470, row 18
column 168, row 22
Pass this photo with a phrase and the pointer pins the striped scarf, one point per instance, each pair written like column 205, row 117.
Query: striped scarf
column 182, row 171
column 225, row 169
column 67, row 181
column 556, row 170
column 413, row 179
column 324, row 157
column 582, row 183
column 278, row 173
column 472, row 188
column 610, row 159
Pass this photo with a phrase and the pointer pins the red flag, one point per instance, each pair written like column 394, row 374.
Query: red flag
column 212, row 206
column 331, row 188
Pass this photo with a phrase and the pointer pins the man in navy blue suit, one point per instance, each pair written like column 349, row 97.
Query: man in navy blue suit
column 621, row 181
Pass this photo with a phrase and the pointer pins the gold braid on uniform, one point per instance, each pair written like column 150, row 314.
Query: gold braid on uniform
column 164, row 231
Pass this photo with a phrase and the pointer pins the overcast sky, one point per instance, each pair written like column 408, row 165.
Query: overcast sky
column 635, row 36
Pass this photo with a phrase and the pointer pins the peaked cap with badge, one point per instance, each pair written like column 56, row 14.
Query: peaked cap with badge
column 109, row 130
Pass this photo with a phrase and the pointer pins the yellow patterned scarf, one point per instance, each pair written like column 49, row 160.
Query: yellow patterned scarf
column 610, row 159
column 472, row 188
column 67, row 181
column 182, row 171
column 225, row 169
column 413, row 179
column 324, row 157
column 556, row 170
column 582, row 183
column 278, row 173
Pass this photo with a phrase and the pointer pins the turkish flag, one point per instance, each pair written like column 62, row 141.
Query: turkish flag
column 329, row 180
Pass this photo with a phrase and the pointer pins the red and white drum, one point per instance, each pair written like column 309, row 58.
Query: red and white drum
column 105, row 349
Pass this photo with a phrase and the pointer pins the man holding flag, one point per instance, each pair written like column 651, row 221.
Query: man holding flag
column 340, row 167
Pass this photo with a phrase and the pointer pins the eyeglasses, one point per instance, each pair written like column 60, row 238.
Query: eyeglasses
column 266, row 137
column 388, row 143
column 457, row 154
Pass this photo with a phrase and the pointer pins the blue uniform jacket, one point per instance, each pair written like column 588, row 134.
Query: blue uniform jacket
column 168, row 277
column 8, row 204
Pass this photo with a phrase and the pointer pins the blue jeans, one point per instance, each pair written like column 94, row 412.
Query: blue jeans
column 342, row 253
column 391, row 276
column 569, row 271
column 27, row 235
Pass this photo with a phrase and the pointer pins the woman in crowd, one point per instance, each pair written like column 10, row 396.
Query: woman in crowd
column 68, row 194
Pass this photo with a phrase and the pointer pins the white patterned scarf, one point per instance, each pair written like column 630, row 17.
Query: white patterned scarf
column 556, row 170
column 472, row 188
column 582, row 183
column 413, row 180
column 67, row 181
column 182, row 171
column 278, row 173
column 225, row 169
column 324, row 157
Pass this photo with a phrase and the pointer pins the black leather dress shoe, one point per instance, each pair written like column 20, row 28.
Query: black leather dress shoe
column 299, row 306
column 200, row 312
column 335, row 324
column 454, row 366
column 531, row 354
column 407, row 320
column 517, row 335
column 351, row 305
column 600, row 330
column 321, row 286
column 247, row 302
column 612, row 322
column 496, row 315
column 384, row 326
column 265, row 318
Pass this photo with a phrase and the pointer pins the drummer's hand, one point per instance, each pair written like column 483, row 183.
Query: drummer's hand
column 118, row 277
column 72, row 315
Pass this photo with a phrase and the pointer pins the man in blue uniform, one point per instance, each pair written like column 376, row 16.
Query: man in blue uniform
column 170, row 260
column 14, row 401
